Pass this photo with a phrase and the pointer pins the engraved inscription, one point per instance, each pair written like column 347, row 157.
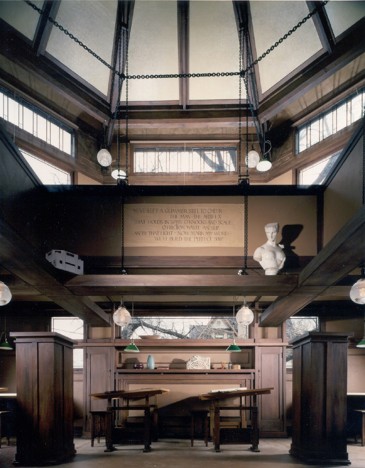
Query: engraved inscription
column 219, row 225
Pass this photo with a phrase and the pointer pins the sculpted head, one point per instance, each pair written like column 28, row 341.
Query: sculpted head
column 271, row 230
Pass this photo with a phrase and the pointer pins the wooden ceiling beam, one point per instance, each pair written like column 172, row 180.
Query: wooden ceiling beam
column 37, row 272
column 182, row 284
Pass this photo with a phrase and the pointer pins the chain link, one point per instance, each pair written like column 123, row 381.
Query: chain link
column 180, row 75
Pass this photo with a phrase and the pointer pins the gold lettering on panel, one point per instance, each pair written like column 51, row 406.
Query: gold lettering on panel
column 183, row 225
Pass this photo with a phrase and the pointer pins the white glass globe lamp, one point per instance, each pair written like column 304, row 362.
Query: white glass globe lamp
column 104, row 157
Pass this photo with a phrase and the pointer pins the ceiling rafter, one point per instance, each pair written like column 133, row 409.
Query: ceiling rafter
column 183, row 50
column 44, row 27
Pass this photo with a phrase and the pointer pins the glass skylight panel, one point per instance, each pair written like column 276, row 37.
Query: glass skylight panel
column 153, row 50
column 271, row 20
column 213, row 47
column 21, row 16
column 88, row 21
column 343, row 14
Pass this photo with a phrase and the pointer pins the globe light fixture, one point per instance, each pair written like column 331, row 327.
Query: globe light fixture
column 121, row 316
column 357, row 292
column 119, row 174
column 244, row 315
column 5, row 294
column 252, row 158
column 104, row 157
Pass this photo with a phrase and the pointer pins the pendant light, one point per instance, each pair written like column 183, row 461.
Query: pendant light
column 132, row 347
column 121, row 316
column 4, row 344
column 5, row 294
column 233, row 348
column 104, row 157
column 357, row 292
column 244, row 315
column 361, row 344
column 265, row 164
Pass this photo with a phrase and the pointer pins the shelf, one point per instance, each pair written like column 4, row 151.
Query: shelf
column 120, row 370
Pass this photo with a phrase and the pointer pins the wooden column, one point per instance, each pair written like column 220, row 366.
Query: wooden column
column 319, row 398
column 44, row 379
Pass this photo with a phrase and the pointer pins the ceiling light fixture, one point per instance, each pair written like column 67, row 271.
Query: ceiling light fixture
column 132, row 347
column 233, row 347
column 5, row 294
column 4, row 344
column 103, row 156
column 361, row 344
column 252, row 158
column 265, row 164
column 357, row 292
column 121, row 316
column 244, row 315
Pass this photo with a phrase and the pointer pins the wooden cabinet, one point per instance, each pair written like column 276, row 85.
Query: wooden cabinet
column 44, row 378
column 270, row 373
column 99, row 378
column 319, row 398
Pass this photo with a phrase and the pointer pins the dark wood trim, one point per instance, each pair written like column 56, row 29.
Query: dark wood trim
column 322, row 24
column 44, row 27
column 183, row 18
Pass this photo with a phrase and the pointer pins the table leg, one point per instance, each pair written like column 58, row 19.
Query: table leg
column 109, row 432
column 147, row 429
column 255, row 430
column 363, row 430
column 216, row 430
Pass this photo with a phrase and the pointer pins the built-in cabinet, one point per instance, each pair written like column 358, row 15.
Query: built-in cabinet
column 258, row 365
column 44, row 378
column 319, row 398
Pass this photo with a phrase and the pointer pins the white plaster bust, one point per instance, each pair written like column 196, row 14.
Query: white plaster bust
column 270, row 255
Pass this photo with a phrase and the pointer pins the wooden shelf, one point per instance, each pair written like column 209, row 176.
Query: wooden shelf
column 121, row 370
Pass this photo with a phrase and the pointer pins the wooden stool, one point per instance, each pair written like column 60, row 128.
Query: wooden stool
column 203, row 416
column 99, row 421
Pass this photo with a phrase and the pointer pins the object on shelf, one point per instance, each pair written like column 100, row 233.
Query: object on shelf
column 198, row 362
column 150, row 362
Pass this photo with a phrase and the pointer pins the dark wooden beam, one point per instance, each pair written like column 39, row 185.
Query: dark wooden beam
column 344, row 253
column 44, row 27
column 322, row 24
column 226, row 285
column 183, row 45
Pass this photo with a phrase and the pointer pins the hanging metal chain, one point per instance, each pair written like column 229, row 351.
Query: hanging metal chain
column 126, row 55
column 181, row 75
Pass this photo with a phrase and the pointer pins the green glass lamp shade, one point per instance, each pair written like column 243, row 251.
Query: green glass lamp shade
column 131, row 348
column 361, row 344
column 5, row 345
column 233, row 348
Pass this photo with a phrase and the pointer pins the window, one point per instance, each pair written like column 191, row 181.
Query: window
column 318, row 172
column 71, row 327
column 298, row 326
column 185, row 328
column 47, row 173
column 168, row 160
column 336, row 119
column 36, row 122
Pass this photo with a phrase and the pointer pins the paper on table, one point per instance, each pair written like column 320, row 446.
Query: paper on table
column 228, row 389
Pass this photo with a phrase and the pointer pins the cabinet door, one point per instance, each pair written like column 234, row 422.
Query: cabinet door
column 270, row 373
column 99, row 378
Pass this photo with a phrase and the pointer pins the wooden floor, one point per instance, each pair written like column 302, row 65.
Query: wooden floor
column 178, row 454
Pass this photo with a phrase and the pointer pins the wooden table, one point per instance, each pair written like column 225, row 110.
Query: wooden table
column 128, row 396
column 218, row 397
